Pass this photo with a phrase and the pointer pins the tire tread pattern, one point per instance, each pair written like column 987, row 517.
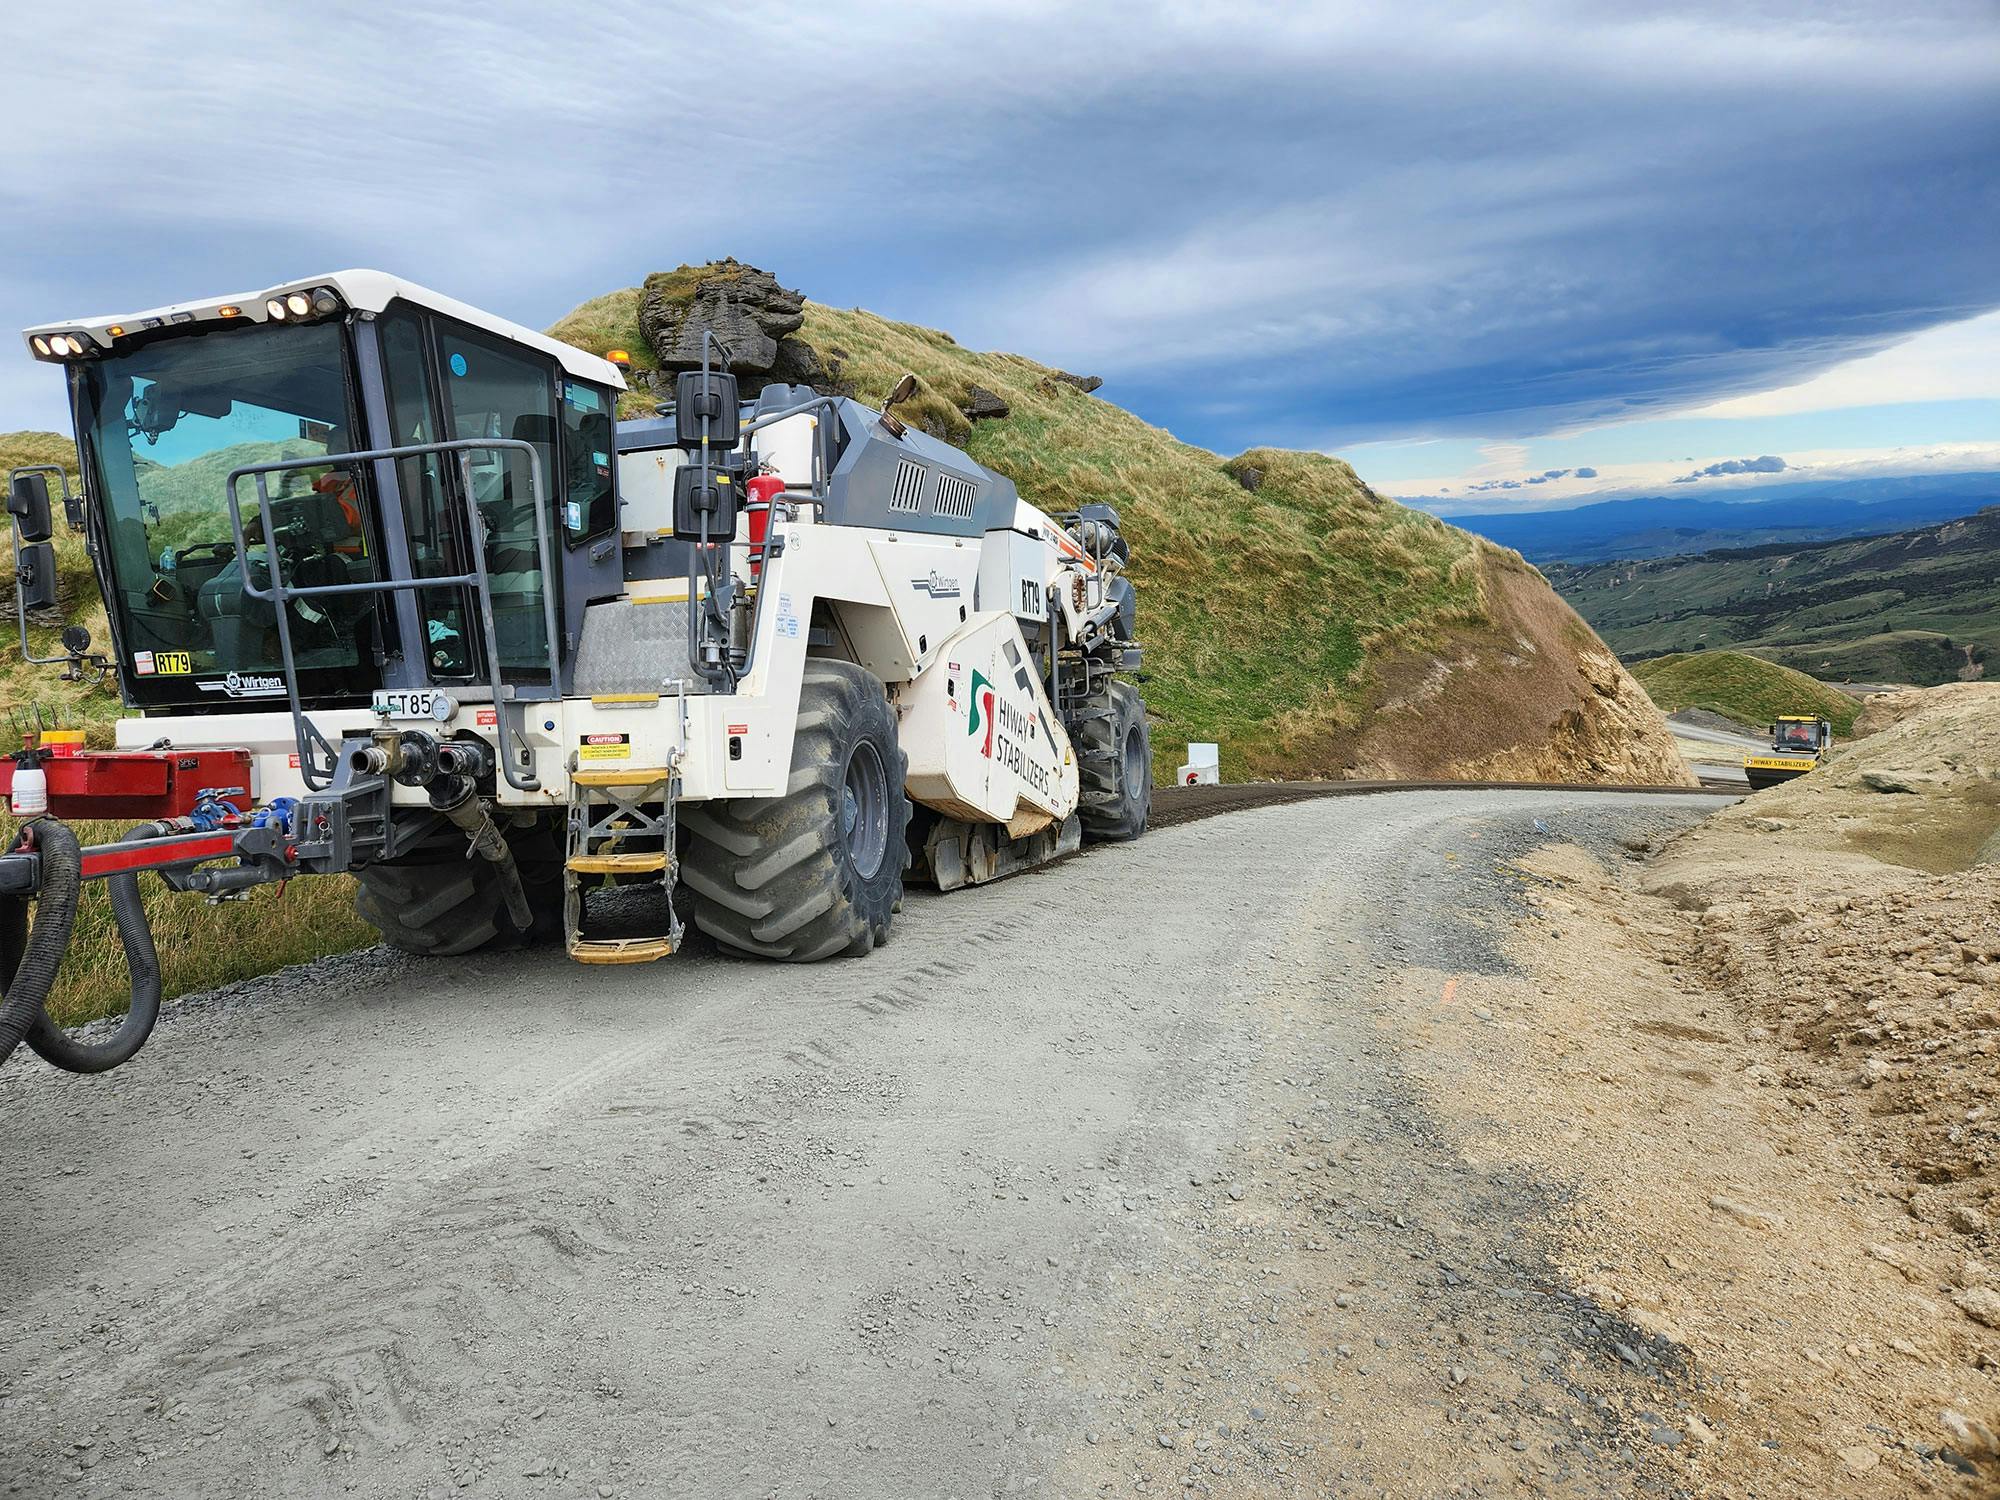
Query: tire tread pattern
column 771, row 874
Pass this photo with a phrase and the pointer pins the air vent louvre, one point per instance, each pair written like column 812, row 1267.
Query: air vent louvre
column 954, row 497
column 909, row 491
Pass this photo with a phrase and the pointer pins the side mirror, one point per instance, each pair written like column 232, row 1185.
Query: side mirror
column 700, row 494
column 28, row 504
column 37, row 576
column 714, row 396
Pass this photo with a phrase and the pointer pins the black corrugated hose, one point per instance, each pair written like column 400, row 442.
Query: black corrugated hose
column 30, row 957
column 56, row 911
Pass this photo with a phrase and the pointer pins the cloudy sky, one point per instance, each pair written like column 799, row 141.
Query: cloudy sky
column 1462, row 245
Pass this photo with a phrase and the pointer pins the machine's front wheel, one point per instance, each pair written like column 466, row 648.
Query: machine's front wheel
column 817, row 872
column 1114, row 752
column 445, row 901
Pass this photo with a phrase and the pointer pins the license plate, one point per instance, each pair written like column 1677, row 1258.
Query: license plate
column 413, row 705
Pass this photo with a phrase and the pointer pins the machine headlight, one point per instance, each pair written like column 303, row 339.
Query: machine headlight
column 276, row 308
column 41, row 346
column 298, row 304
column 326, row 302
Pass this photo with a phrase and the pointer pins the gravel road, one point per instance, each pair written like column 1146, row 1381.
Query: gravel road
column 1101, row 1178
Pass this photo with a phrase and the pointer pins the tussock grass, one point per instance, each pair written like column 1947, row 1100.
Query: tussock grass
column 1742, row 687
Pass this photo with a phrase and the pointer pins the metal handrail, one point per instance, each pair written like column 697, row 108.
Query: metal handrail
column 816, row 494
column 278, row 593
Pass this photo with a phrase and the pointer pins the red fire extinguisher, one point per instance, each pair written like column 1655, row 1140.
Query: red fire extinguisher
column 764, row 490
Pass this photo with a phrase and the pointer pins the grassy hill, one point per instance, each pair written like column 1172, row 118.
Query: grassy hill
column 1919, row 606
column 1307, row 625
column 1745, row 688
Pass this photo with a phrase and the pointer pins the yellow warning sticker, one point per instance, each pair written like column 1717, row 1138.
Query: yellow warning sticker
column 1777, row 763
column 604, row 747
column 173, row 663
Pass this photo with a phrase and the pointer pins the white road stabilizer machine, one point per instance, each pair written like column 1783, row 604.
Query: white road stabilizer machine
column 393, row 593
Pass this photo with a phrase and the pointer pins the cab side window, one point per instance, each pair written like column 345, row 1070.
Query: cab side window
column 496, row 389
column 590, row 508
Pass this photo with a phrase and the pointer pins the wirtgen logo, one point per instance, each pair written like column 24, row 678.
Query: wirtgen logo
column 246, row 685
column 937, row 585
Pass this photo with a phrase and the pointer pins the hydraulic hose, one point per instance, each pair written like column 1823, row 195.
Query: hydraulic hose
column 56, row 1045
column 455, row 797
column 29, row 957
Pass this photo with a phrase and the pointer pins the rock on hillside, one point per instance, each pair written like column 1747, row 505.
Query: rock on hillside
column 751, row 316
column 1290, row 614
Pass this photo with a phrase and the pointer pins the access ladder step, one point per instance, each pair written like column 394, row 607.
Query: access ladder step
column 640, row 950
column 618, row 775
column 654, row 863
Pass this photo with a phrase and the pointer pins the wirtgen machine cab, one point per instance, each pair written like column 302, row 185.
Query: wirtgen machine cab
column 1798, row 744
column 392, row 593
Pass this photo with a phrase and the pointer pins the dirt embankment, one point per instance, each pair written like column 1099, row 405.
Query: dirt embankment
column 1780, row 1080
column 1533, row 695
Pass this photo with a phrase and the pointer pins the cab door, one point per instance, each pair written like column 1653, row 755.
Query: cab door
column 446, row 381
column 494, row 388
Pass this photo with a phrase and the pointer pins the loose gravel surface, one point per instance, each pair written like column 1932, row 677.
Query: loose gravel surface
column 1108, row 1178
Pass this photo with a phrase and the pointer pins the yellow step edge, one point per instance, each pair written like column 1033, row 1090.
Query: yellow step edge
column 599, row 700
column 668, row 595
column 618, row 776
column 619, row 864
column 620, row 950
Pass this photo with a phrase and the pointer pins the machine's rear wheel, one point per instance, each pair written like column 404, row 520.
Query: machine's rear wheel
column 443, row 901
column 1114, row 752
column 817, row 872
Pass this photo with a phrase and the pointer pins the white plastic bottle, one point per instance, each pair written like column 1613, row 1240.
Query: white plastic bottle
column 30, row 795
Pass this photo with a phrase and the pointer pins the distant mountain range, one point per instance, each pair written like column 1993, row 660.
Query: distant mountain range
column 1667, row 525
column 1919, row 606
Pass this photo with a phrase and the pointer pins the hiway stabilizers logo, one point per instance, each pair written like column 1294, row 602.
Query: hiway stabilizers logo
column 1008, row 732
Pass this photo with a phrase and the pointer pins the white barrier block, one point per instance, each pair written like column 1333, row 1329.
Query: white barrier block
column 1204, row 766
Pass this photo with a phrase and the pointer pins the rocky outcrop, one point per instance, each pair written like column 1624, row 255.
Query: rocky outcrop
column 751, row 316
column 982, row 405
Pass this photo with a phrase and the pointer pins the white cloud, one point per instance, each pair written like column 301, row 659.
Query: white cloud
column 1622, row 481
column 1954, row 362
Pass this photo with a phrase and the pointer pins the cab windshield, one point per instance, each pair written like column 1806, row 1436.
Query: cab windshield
column 167, row 423
column 1796, row 736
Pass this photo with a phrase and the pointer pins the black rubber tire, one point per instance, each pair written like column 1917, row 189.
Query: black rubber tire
column 1114, row 753
column 775, row 877
column 442, row 902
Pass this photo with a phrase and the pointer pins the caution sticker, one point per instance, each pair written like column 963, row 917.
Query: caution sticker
column 604, row 747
